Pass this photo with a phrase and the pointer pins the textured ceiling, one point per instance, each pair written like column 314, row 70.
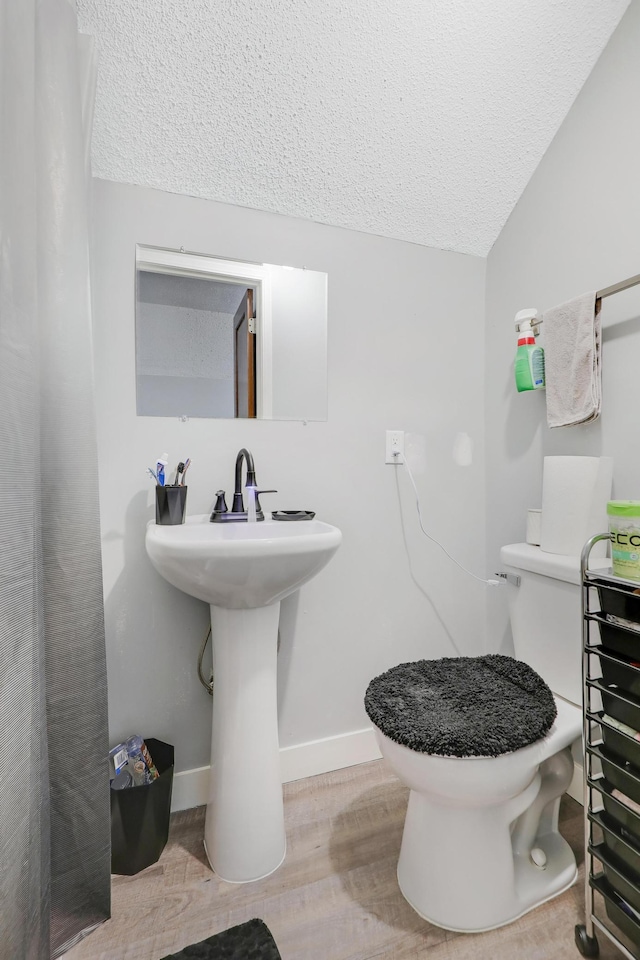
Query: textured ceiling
column 421, row 120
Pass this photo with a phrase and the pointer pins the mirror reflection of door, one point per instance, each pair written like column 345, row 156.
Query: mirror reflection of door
column 244, row 357
column 189, row 340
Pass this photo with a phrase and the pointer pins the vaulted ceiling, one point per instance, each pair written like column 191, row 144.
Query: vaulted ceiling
column 421, row 120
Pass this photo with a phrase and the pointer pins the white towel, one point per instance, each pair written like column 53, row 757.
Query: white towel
column 572, row 361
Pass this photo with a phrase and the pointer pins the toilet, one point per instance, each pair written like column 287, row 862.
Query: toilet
column 481, row 845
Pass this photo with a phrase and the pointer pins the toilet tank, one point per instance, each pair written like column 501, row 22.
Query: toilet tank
column 546, row 615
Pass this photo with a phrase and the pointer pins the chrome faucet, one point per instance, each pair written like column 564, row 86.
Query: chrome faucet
column 238, row 514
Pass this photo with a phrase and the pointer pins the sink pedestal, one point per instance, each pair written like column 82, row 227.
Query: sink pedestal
column 244, row 827
column 243, row 571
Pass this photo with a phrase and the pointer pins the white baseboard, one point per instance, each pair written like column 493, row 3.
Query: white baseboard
column 191, row 787
column 330, row 753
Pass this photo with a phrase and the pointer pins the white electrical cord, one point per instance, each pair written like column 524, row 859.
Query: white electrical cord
column 491, row 583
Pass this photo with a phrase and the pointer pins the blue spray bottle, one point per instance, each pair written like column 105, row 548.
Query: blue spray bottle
column 529, row 365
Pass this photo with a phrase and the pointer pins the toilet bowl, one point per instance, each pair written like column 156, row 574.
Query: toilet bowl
column 481, row 845
column 472, row 823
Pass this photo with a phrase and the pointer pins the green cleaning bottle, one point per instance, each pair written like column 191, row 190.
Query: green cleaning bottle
column 529, row 365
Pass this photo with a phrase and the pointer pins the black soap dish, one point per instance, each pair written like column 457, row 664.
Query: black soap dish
column 293, row 514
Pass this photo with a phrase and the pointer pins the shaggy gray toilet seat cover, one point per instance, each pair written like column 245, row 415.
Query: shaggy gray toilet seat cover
column 462, row 706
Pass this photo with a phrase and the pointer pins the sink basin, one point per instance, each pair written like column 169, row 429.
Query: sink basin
column 241, row 565
column 243, row 570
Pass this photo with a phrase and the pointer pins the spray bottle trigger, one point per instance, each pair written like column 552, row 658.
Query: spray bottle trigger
column 528, row 320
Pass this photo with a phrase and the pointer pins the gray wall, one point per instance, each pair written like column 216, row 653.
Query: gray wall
column 576, row 228
column 405, row 352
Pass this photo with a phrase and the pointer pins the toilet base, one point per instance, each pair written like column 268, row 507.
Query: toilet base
column 565, row 879
column 471, row 869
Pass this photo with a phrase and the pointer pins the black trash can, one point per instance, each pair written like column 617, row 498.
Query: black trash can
column 140, row 816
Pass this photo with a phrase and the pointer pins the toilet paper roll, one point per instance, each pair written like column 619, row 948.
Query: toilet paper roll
column 575, row 491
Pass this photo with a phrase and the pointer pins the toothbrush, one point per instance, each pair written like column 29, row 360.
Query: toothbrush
column 179, row 470
column 152, row 474
column 184, row 472
column 160, row 465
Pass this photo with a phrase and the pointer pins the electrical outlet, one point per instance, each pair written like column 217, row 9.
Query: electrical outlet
column 395, row 446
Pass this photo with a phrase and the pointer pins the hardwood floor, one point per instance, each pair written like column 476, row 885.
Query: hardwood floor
column 334, row 898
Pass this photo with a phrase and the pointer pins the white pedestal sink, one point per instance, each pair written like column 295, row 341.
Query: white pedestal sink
column 243, row 571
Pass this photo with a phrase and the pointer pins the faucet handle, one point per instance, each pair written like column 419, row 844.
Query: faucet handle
column 220, row 505
column 258, row 492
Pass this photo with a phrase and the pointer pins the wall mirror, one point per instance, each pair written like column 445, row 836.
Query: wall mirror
column 228, row 338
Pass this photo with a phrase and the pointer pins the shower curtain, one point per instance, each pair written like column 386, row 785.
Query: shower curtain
column 54, row 794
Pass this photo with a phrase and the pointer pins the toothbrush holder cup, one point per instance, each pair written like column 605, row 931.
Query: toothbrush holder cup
column 171, row 504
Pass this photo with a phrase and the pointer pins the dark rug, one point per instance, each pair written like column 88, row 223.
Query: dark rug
column 462, row 706
column 247, row 941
